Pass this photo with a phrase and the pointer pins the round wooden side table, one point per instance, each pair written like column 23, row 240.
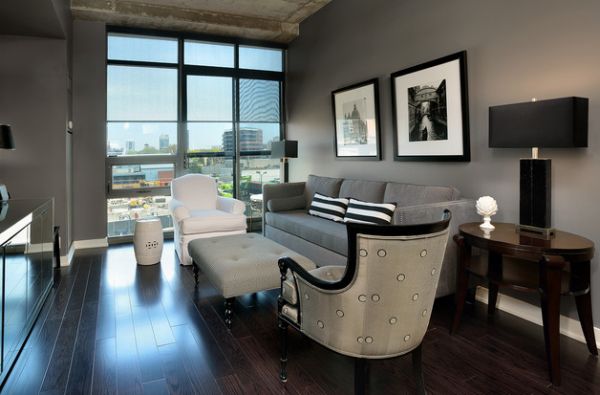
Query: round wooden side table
column 527, row 262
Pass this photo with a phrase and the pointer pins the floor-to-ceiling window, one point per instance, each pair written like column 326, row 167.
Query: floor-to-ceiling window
column 179, row 104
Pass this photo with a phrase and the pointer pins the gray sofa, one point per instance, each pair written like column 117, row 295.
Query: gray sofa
column 286, row 219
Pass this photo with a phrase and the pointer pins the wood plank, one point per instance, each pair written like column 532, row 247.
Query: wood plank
column 149, row 357
column 231, row 385
column 106, row 322
column 55, row 379
column 105, row 364
column 194, row 362
column 243, row 368
column 158, row 387
column 57, row 374
column 82, row 363
column 129, row 376
column 176, row 377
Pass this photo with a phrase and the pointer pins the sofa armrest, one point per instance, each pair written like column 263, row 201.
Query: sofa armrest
column 279, row 191
column 287, row 204
column 463, row 211
column 178, row 210
column 230, row 205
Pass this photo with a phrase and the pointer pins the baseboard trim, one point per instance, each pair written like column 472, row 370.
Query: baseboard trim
column 90, row 243
column 65, row 260
column 568, row 326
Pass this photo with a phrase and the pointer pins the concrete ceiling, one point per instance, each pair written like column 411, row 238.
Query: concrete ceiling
column 38, row 18
column 272, row 20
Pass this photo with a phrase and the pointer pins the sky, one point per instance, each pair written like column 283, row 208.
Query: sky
column 131, row 98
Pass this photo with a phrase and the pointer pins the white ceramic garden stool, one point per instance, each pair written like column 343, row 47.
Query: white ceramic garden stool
column 148, row 241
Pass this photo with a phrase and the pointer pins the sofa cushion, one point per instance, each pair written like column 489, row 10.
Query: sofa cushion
column 369, row 213
column 207, row 221
column 327, row 234
column 367, row 191
column 328, row 207
column 324, row 185
column 410, row 194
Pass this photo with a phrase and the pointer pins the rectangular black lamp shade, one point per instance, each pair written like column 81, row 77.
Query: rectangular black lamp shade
column 284, row 149
column 558, row 123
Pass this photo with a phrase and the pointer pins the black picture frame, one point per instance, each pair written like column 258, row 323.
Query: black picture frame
column 375, row 129
column 456, row 132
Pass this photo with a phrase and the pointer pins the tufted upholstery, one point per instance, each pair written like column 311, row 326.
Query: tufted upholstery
column 384, row 309
column 241, row 264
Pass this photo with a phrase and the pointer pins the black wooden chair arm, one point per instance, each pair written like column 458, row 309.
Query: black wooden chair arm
column 286, row 263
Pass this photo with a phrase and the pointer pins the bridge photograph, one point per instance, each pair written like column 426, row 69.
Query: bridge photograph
column 428, row 119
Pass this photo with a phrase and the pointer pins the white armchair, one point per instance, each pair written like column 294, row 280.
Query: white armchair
column 198, row 211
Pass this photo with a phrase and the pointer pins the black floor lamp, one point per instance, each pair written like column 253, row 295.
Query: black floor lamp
column 283, row 150
column 556, row 123
column 6, row 142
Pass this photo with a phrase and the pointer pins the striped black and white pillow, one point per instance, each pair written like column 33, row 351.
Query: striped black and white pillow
column 369, row 213
column 328, row 207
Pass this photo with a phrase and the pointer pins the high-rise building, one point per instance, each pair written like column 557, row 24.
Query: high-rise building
column 355, row 128
column 251, row 139
column 129, row 146
column 163, row 141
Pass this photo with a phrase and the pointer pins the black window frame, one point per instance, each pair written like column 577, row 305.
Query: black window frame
column 180, row 158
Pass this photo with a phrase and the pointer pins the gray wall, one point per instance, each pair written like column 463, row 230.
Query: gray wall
column 33, row 99
column 516, row 50
column 89, row 130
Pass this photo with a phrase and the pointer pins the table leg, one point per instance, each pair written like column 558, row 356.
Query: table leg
column 462, row 279
column 584, row 310
column 494, row 273
column 551, row 268
column 580, row 286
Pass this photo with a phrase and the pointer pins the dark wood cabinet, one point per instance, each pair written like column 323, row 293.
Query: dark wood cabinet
column 27, row 244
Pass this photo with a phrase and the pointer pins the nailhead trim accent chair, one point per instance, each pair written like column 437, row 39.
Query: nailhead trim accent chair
column 376, row 307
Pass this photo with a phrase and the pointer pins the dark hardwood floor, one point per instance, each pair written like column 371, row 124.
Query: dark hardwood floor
column 111, row 327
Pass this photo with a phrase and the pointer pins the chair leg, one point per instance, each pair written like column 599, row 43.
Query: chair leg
column 196, row 270
column 228, row 312
column 361, row 376
column 417, row 359
column 283, row 357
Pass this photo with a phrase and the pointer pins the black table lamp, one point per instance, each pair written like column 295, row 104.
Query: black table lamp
column 284, row 149
column 556, row 123
column 6, row 142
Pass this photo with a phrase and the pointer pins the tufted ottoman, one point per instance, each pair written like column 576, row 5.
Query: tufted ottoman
column 240, row 264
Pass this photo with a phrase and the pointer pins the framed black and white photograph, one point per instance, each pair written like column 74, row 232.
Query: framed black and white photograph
column 356, row 115
column 431, row 111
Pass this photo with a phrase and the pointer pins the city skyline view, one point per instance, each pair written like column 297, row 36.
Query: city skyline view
column 202, row 136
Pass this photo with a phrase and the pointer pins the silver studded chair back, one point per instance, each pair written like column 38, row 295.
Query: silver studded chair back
column 384, row 309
